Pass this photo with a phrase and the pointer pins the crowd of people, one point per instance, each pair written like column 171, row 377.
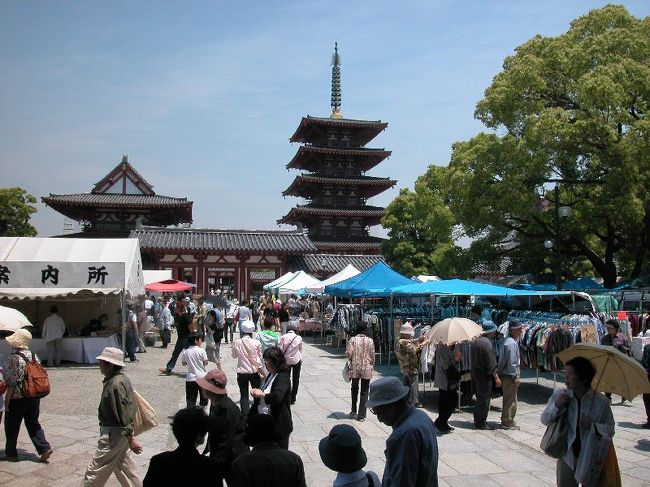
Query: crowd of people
column 249, row 444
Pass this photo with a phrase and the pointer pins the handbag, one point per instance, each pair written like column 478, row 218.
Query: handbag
column 554, row 441
column 347, row 371
column 145, row 415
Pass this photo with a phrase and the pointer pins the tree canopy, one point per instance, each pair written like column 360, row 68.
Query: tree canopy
column 16, row 208
column 568, row 114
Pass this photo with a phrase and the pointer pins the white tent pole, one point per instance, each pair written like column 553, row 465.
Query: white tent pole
column 124, row 323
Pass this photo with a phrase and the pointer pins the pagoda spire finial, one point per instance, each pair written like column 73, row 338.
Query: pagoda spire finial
column 336, row 83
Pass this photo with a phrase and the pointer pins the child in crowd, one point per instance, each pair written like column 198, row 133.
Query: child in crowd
column 196, row 359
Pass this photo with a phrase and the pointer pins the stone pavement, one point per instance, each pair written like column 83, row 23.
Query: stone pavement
column 467, row 457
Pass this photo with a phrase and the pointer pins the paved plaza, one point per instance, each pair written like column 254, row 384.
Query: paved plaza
column 467, row 457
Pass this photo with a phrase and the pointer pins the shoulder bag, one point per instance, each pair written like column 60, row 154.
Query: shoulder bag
column 554, row 441
column 145, row 415
column 347, row 371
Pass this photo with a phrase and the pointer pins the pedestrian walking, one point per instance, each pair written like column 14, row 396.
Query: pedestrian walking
column 615, row 338
column 274, row 396
column 360, row 352
column 291, row 345
column 166, row 322
column 131, row 333
column 243, row 314
column 483, row 372
column 447, row 383
column 226, row 437
column 184, row 465
column 183, row 321
column 213, row 336
column 196, row 359
column 143, row 327
column 231, row 311
column 412, row 448
column 342, row 452
column 267, row 464
column 18, row 407
column 116, row 414
column 407, row 351
column 283, row 318
column 52, row 333
column 248, row 352
column 510, row 375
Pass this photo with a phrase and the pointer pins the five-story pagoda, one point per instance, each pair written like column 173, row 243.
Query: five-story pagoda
column 335, row 160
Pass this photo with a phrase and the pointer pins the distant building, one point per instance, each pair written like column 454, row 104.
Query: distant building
column 335, row 160
column 120, row 202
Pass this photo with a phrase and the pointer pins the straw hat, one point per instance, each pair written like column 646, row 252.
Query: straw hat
column 214, row 381
column 113, row 356
column 20, row 339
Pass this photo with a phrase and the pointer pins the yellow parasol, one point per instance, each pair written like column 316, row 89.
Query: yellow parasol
column 454, row 330
column 615, row 372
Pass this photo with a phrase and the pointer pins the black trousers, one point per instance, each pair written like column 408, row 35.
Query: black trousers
column 29, row 410
column 446, row 405
column 646, row 403
column 354, row 389
column 295, row 380
column 229, row 329
column 181, row 343
column 243, row 380
column 192, row 390
column 483, row 387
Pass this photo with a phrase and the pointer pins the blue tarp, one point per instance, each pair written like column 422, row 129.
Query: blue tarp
column 370, row 283
column 580, row 284
column 460, row 287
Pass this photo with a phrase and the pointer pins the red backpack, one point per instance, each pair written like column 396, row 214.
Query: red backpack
column 36, row 383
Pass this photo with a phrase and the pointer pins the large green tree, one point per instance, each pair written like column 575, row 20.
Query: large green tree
column 421, row 228
column 16, row 208
column 570, row 109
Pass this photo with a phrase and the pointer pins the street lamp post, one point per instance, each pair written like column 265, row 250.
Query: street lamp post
column 560, row 213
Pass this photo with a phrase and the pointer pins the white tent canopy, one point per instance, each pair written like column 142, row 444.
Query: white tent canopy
column 279, row 281
column 300, row 280
column 156, row 276
column 51, row 268
column 342, row 275
column 425, row 278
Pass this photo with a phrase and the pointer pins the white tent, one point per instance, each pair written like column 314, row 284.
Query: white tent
column 342, row 275
column 50, row 268
column 300, row 280
column 279, row 281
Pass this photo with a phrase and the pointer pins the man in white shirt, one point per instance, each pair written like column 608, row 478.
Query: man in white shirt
column 53, row 331
column 148, row 304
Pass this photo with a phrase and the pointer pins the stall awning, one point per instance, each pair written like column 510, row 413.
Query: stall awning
column 51, row 268
column 346, row 273
column 372, row 282
column 460, row 287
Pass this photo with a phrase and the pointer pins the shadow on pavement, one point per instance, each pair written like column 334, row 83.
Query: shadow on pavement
column 643, row 445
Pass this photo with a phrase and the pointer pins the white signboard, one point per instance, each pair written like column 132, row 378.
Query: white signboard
column 15, row 274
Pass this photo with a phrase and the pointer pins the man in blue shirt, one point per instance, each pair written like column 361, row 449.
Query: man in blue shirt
column 412, row 448
column 509, row 373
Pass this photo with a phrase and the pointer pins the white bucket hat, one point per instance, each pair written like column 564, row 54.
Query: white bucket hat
column 247, row 327
column 406, row 329
column 113, row 356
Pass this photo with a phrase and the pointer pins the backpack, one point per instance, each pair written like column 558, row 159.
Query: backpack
column 36, row 383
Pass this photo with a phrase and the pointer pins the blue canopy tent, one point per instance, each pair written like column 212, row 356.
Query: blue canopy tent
column 373, row 282
column 455, row 287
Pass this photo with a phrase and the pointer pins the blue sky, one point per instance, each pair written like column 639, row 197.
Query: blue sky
column 203, row 96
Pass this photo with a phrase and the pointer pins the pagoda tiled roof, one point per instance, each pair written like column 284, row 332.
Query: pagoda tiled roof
column 330, row 264
column 195, row 239
column 337, row 243
column 367, row 211
column 371, row 186
column 370, row 127
column 122, row 169
column 367, row 158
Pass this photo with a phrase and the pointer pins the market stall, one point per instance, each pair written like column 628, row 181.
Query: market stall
column 84, row 278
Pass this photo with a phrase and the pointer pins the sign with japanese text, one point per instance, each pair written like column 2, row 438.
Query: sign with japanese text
column 61, row 274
